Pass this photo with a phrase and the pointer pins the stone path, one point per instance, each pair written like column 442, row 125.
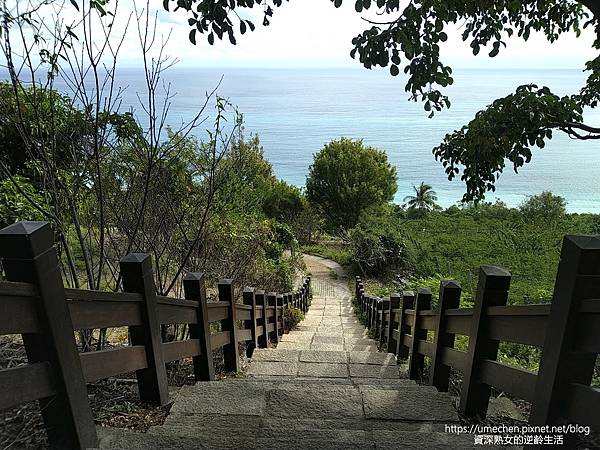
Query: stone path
column 325, row 386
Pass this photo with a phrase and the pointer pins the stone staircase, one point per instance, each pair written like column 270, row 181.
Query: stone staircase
column 325, row 386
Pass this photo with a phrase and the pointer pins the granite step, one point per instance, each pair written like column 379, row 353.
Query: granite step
column 302, row 439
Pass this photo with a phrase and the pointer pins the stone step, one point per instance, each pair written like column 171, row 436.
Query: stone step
column 325, row 370
column 318, row 400
column 316, row 356
column 307, row 383
column 234, row 435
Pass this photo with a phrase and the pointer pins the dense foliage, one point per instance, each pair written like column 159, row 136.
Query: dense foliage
column 348, row 177
column 544, row 207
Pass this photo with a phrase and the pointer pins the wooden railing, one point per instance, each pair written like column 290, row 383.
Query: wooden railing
column 35, row 304
column 567, row 330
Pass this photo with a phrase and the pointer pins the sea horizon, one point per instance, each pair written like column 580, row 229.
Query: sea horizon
column 296, row 111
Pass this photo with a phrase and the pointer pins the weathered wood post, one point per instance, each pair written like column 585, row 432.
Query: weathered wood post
column 281, row 313
column 249, row 299
column 377, row 324
column 308, row 293
column 385, row 320
column 492, row 290
column 361, row 293
column 373, row 309
column 392, row 343
column 286, row 306
column 230, row 351
column 417, row 361
column 368, row 310
column 137, row 276
column 305, row 290
column 28, row 255
column 449, row 299
column 261, row 301
column 407, row 301
column 356, row 289
column 561, row 365
column 272, row 296
column 364, row 304
column 363, row 309
column 372, row 306
column 194, row 289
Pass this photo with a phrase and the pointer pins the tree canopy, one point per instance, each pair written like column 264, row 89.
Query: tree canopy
column 348, row 177
column 407, row 37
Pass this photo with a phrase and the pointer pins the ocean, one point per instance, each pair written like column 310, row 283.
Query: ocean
column 296, row 111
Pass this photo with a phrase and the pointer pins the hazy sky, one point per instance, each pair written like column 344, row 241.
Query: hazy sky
column 313, row 33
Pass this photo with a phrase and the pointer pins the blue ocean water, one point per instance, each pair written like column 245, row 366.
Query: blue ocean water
column 296, row 111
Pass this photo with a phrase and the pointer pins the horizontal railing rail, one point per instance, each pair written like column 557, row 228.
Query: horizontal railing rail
column 35, row 304
column 567, row 331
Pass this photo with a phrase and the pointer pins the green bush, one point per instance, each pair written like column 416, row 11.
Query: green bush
column 346, row 178
column 15, row 204
column 378, row 246
column 293, row 316
column 544, row 207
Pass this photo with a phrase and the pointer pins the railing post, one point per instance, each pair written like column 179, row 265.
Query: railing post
column 195, row 289
column 449, row 299
column 417, row 361
column 137, row 276
column 261, row 300
column 289, row 303
column 28, row 255
column 361, row 303
column 492, row 290
column 392, row 343
column 250, row 299
column 578, row 279
column 272, row 296
column 373, row 309
column 407, row 301
column 230, row 351
column 385, row 311
column 356, row 288
column 308, row 293
column 305, row 296
column 282, row 315
column 377, row 317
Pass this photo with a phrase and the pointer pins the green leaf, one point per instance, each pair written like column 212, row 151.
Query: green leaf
column 394, row 70
column 193, row 36
column 75, row 4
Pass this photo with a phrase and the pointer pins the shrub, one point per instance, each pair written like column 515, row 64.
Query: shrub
column 544, row 207
column 293, row 316
column 378, row 246
column 14, row 203
column 348, row 177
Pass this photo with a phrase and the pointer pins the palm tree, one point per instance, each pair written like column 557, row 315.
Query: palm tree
column 424, row 198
